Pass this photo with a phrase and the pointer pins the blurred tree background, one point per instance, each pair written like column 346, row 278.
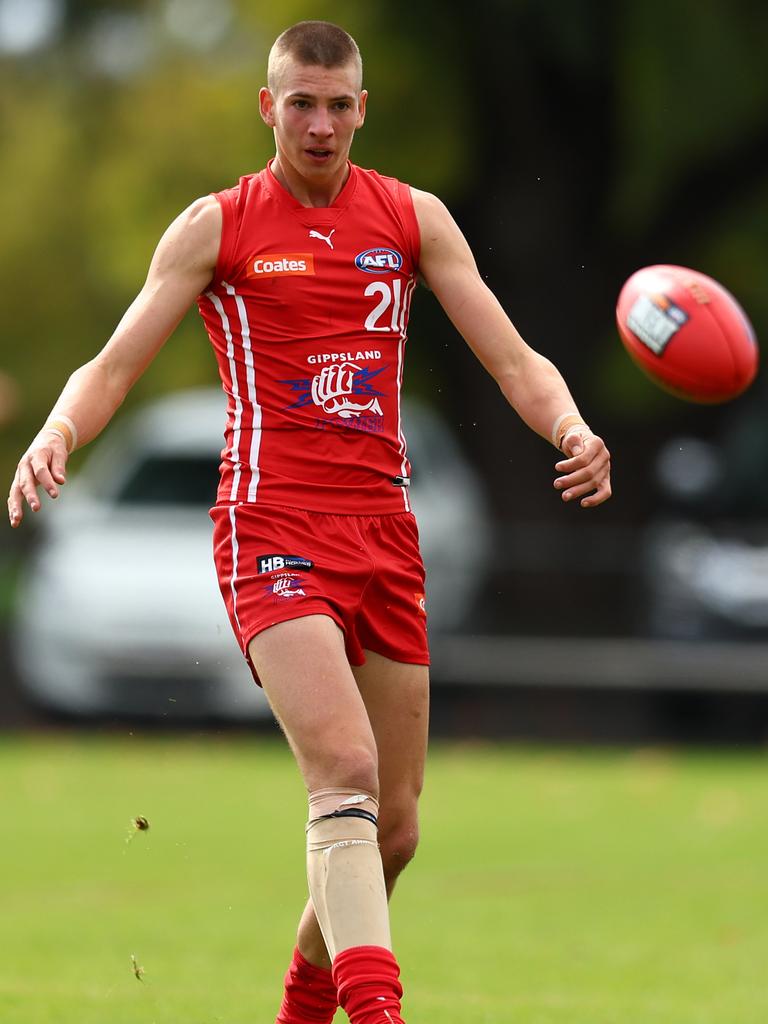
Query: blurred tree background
column 575, row 140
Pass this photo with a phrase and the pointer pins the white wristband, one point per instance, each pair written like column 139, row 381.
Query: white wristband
column 558, row 433
column 56, row 420
column 58, row 433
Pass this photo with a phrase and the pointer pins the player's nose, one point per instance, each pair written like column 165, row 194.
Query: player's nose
column 321, row 125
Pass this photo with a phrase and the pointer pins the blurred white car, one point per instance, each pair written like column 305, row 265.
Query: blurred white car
column 706, row 552
column 120, row 611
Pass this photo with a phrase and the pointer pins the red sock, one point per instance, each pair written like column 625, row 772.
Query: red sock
column 367, row 981
column 310, row 994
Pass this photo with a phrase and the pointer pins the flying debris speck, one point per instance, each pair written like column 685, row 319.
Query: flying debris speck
column 138, row 824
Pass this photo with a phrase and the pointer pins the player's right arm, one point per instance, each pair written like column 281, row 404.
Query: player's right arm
column 181, row 268
column 532, row 385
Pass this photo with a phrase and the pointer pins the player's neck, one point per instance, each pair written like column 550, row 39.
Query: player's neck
column 309, row 193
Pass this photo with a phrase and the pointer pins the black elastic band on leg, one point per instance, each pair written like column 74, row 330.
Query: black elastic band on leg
column 352, row 812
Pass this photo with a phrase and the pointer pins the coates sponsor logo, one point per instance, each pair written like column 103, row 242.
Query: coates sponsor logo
column 281, row 264
column 379, row 261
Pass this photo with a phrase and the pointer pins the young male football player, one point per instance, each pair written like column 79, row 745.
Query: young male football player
column 304, row 274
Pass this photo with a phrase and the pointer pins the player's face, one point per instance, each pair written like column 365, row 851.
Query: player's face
column 315, row 113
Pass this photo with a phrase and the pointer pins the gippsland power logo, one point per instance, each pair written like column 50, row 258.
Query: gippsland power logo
column 286, row 586
column 342, row 390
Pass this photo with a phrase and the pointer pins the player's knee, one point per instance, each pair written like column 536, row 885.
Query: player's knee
column 398, row 840
column 352, row 766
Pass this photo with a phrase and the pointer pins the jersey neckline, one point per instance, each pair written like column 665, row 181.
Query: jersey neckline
column 342, row 200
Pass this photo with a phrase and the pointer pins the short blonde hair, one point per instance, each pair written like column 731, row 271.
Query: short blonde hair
column 313, row 43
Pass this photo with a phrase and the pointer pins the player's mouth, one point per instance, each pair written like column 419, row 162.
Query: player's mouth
column 319, row 155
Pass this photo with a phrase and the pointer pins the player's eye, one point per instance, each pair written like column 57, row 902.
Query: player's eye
column 341, row 105
column 301, row 104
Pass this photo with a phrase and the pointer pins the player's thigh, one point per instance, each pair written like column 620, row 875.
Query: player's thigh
column 306, row 676
column 396, row 697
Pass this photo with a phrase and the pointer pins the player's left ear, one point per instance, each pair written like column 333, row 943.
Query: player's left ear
column 267, row 107
column 361, row 108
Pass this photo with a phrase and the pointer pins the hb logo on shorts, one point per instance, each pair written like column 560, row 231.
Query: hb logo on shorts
column 273, row 563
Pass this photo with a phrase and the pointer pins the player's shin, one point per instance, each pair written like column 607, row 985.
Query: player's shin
column 346, row 884
column 346, row 879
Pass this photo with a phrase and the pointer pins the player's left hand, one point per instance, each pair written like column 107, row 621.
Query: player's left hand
column 586, row 470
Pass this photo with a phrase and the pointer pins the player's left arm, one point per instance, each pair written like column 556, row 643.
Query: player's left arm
column 531, row 383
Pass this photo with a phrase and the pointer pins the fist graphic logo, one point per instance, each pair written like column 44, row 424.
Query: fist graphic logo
column 286, row 586
column 333, row 389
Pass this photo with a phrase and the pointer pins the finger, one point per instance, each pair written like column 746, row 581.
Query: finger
column 43, row 475
column 580, row 476
column 15, row 504
column 602, row 494
column 581, row 489
column 58, row 467
column 596, row 466
column 576, row 441
column 594, row 448
column 596, row 491
column 587, row 458
column 577, row 462
column 28, row 486
column 595, row 469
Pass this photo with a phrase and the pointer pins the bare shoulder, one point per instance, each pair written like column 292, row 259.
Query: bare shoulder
column 430, row 211
column 194, row 237
column 441, row 237
column 200, row 223
column 203, row 214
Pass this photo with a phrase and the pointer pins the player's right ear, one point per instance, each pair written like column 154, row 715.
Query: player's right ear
column 267, row 107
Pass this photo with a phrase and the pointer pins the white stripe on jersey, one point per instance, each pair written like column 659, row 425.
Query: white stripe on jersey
column 250, row 377
column 235, row 449
column 400, row 366
column 235, row 553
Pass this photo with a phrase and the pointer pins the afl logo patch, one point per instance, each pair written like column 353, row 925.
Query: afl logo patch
column 379, row 261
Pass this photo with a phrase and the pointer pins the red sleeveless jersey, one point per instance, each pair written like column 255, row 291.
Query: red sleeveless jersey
column 307, row 314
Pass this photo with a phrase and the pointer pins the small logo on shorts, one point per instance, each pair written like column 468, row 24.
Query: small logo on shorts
column 286, row 587
column 421, row 604
column 272, row 563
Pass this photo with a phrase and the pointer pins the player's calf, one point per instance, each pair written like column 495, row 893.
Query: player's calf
column 397, row 844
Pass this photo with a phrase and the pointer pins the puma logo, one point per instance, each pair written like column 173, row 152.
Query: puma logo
column 325, row 238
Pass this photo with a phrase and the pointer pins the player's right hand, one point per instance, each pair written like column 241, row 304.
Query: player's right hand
column 42, row 465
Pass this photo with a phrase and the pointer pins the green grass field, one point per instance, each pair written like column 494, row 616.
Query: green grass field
column 551, row 887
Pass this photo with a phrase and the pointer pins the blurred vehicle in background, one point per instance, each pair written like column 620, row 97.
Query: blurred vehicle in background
column 706, row 556
column 120, row 612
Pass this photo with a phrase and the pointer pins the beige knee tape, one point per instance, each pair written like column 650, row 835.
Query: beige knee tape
column 346, row 880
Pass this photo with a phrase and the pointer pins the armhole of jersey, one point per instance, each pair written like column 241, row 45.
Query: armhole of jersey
column 228, row 234
column 411, row 223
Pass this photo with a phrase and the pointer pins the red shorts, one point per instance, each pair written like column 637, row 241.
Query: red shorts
column 365, row 572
